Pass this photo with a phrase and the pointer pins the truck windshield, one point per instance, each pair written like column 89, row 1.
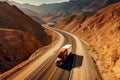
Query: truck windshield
column 60, row 56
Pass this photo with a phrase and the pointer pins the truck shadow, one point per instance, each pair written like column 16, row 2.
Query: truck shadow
column 71, row 62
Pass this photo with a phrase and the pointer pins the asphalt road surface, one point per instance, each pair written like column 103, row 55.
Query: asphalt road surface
column 79, row 65
column 50, row 71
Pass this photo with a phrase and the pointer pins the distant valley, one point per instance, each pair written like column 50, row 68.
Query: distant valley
column 58, row 11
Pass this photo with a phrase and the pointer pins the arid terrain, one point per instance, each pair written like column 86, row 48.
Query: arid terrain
column 101, row 31
column 16, row 46
column 56, row 12
column 20, row 36
column 29, row 46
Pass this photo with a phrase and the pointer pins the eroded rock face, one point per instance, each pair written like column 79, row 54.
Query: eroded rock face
column 16, row 46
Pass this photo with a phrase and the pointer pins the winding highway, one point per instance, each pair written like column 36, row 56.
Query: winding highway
column 79, row 65
column 50, row 71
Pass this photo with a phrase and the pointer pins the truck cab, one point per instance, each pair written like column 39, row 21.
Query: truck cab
column 62, row 55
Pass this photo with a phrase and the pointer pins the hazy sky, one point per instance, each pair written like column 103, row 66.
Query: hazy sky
column 38, row 2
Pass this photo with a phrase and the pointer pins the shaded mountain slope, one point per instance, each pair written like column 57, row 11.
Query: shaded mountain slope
column 37, row 19
column 33, row 15
column 14, row 18
column 30, row 12
column 20, row 36
column 15, row 47
column 72, row 23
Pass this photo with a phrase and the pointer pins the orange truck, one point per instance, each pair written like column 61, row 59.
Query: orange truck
column 63, row 54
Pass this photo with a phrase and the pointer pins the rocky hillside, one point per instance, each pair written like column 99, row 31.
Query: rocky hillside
column 102, row 32
column 105, row 31
column 58, row 11
column 20, row 36
column 16, row 46
column 14, row 18
column 72, row 23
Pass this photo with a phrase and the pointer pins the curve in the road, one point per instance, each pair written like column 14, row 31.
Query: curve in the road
column 50, row 71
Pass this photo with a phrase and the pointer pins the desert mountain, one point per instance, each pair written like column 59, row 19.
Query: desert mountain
column 20, row 36
column 72, row 23
column 102, row 32
column 11, row 17
column 15, row 47
column 58, row 11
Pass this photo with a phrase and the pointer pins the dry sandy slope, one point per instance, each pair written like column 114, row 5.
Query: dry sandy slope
column 102, row 31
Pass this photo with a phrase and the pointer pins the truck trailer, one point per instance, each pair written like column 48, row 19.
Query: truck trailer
column 63, row 54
